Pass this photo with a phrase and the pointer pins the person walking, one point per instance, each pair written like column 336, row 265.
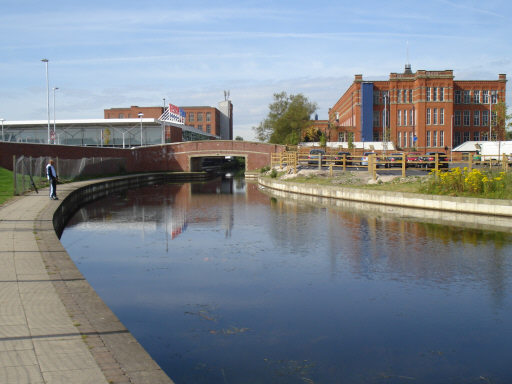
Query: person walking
column 52, row 178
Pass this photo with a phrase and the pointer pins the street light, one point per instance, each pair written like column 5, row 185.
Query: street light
column 54, row 124
column 47, row 97
column 140, row 115
column 2, row 120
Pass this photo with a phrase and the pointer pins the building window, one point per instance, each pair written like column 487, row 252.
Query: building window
column 399, row 138
column 485, row 97
column 441, row 138
column 466, row 136
column 376, row 120
column 485, row 136
column 466, row 118
column 435, row 139
column 435, row 94
column 376, row 96
column 435, row 115
column 457, row 118
column 476, row 97
column 476, row 136
column 467, row 97
column 399, row 118
column 456, row 139
column 428, row 93
column 121, row 115
column 428, row 138
column 441, row 94
column 457, row 97
column 494, row 97
column 404, row 96
column 412, row 140
column 405, row 139
column 428, row 116
column 208, row 128
column 398, row 95
column 485, row 118
column 476, row 118
column 493, row 117
column 441, row 116
column 405, row 116
column 199, row 116
column 200, row 127
column 191, row 117
column 208, row 117
column 410, row 95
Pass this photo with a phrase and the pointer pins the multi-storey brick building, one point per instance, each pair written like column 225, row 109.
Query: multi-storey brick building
column 426, row 110
column 218, row 122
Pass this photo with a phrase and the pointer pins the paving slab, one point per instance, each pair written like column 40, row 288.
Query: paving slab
column 54, row 328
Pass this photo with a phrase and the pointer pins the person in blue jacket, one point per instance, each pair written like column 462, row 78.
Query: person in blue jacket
column 51, row 174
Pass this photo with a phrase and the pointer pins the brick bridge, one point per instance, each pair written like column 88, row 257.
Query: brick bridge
column 183, row 156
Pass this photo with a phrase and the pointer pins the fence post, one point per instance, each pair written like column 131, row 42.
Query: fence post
column 319, row 161
column 344, row 163
column 436, row 162
column 14, row 174
column 504, row 162
column 330, row 169
column 403, row 164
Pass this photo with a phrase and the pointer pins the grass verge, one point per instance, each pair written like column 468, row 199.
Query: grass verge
column 6, row 185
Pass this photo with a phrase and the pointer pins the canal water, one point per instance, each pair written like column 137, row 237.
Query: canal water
column 222, row 283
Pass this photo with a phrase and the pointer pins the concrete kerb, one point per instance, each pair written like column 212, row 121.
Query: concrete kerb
column 490, row 213
column 42, row 273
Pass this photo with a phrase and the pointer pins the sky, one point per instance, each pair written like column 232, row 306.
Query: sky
column 105, row 54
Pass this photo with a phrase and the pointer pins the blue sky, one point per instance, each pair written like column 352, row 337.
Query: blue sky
column 115, row 53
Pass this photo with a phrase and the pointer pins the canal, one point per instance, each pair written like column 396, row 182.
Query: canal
column 222, row 283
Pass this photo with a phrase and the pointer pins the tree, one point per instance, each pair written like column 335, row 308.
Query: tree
column 239, row 138
column 288, row 116
column 501, row 121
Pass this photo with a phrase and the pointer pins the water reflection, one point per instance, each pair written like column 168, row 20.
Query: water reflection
column 223, row 283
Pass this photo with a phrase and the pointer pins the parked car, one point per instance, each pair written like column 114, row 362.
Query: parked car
column 364, row 159
column 412, row 159
column 314, row 154
column 394, row 160
column 429, row 159
column 338, row 159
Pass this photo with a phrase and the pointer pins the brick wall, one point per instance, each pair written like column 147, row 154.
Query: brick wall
column 168, row 157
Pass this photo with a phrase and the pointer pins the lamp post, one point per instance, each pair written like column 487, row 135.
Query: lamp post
column 140, row 115
column 54, row 124
column 451, row 134
column 490, row 115
column 47, row 97
column 2, row 120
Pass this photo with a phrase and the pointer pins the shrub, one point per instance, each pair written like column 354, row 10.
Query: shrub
column 470, row 183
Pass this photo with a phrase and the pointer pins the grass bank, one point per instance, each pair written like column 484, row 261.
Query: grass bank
column 454, row 182
column 6, row 185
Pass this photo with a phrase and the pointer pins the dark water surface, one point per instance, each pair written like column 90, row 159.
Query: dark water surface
column 222, row 284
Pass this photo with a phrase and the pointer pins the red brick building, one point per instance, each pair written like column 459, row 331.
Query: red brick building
column 218, row 122
column 426, row 110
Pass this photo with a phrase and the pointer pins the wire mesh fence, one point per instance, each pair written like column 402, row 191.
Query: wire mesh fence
column 29, row 173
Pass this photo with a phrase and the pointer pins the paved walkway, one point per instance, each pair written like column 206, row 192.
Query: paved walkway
column 53, row 326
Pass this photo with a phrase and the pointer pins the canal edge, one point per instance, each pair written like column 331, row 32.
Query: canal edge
column 119, row 356
column 469, row 205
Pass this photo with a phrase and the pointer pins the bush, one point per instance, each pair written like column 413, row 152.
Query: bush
column 273, row 174
column 470, row 183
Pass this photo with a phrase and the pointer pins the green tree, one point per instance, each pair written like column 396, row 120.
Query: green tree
column 288, row 116
column 501, row 121
column 239, row 138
